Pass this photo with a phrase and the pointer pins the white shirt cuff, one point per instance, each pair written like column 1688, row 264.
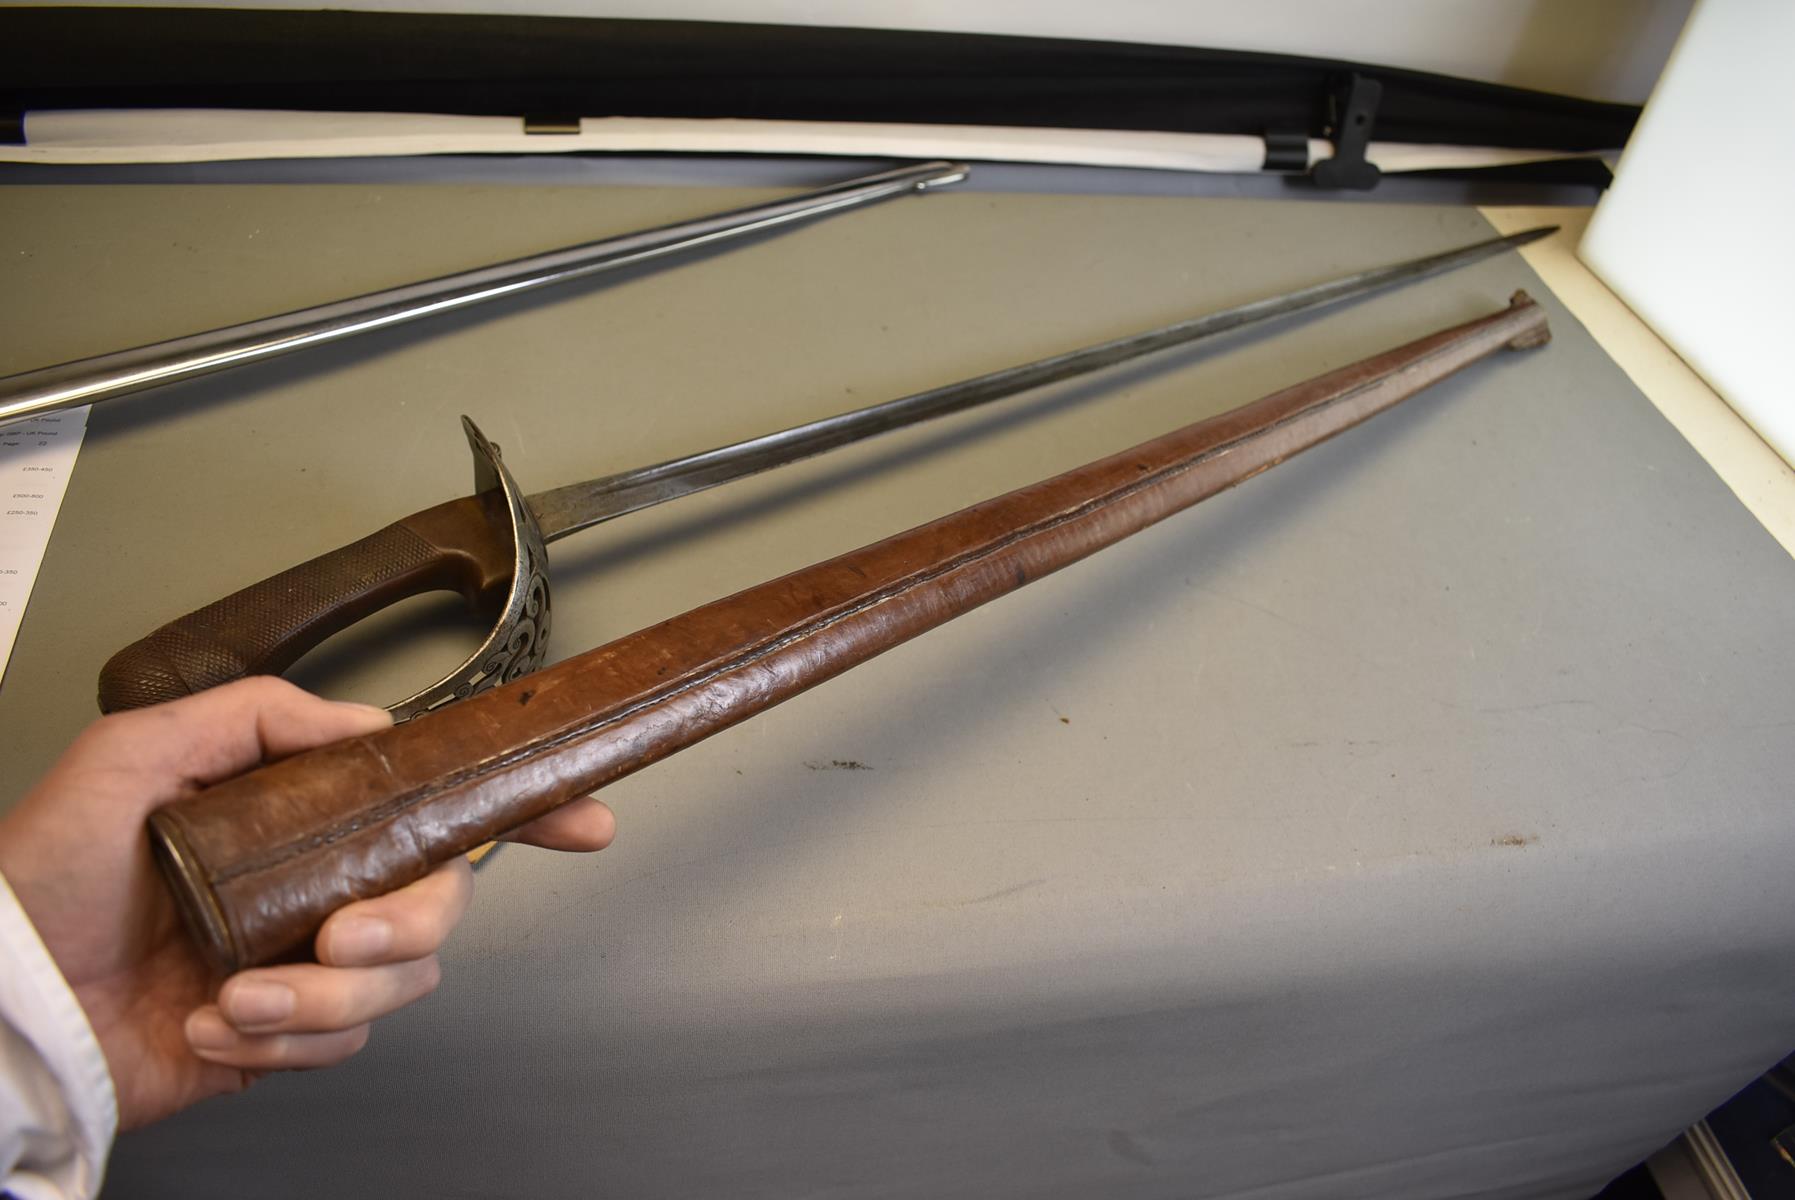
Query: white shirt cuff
column 58, row 1112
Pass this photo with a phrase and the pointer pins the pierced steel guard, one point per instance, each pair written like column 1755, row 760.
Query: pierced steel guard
column 519, row 636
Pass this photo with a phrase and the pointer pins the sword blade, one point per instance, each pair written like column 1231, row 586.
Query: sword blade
column 576, row 506
column 87, row 380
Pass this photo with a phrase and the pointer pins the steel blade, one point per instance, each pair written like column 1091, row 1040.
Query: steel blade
column 87, row 380
column 575, row 506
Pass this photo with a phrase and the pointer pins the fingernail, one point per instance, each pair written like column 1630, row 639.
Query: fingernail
column 254, row 1003
column 359, row 939
column 207, row 1032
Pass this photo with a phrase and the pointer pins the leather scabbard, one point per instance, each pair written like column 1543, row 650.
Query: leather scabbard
column 259, row 861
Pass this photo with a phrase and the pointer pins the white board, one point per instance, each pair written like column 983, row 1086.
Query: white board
column 1696, row 235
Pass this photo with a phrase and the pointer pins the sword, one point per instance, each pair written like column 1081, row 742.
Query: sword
column 88, row 380
column 491, row 546
column 257, row 863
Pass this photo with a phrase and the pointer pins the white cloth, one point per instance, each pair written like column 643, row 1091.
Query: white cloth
column 58, row 1113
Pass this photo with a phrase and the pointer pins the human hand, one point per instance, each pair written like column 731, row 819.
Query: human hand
column 173, row 1030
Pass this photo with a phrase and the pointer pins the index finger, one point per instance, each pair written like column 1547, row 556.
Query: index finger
column 223, row 731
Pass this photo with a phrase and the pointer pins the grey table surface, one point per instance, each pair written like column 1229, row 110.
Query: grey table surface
column 1413, row 821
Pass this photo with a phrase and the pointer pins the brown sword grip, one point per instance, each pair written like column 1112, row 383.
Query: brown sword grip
column 268, row 626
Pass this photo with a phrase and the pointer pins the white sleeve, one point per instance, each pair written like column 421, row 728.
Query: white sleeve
column 57, row 1108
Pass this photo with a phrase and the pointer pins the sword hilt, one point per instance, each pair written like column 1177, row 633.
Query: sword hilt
column 484, row 546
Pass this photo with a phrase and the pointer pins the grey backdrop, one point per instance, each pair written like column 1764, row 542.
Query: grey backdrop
column 1411, row 822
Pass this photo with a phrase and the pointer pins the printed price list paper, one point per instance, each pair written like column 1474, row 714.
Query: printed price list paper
column 36, row 459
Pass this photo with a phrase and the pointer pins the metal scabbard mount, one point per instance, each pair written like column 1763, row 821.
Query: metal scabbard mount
column 487, row 546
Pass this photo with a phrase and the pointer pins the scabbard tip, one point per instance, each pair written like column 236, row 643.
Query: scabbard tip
column 1537, row 332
